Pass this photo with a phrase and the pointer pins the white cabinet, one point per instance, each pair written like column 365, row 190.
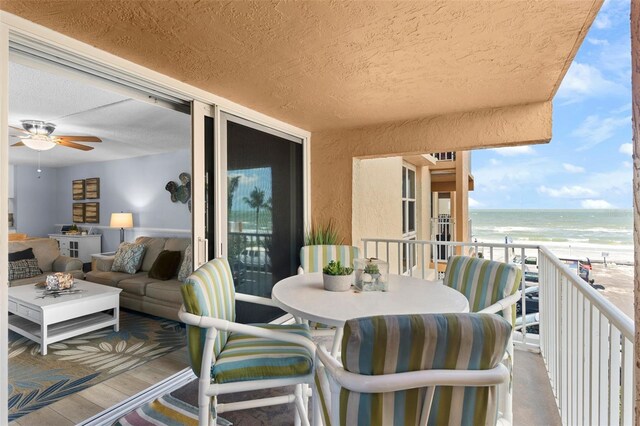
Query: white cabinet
column 79, row 246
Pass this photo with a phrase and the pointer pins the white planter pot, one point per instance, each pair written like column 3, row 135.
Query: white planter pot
column 337, row 282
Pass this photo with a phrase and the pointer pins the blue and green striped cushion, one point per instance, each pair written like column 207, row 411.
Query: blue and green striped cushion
column 246, row 357
column 482, row 281
column 396, row 344
column 314, row 258
column 209, row 292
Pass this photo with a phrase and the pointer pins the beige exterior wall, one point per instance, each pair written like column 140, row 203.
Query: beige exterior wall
column 377, row 204
column 377, row 199
column 333, row 152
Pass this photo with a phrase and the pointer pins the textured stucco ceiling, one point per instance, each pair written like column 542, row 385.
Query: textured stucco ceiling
column 333, row 64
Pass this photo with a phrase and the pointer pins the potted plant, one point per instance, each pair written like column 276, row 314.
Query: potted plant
column 337, row 277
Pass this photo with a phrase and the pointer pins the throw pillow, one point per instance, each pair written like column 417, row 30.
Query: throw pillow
column 165, row 266
column 187, row 264
column 22, row 255
column 128, row 258
column 24, row 268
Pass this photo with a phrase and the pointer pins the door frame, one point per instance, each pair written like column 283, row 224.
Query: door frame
column 14, row 26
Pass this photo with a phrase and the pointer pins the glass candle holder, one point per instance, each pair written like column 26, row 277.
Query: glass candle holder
column 371, row 274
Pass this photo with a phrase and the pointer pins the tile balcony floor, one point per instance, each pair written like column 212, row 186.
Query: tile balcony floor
column 533, row 401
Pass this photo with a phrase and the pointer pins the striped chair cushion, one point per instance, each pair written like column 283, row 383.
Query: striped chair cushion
column 395, row 344
column 482, row 281
column 208, row 291
column 314, row 258
column 246, row 357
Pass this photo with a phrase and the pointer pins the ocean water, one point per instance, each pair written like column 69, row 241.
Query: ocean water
column 592, row 227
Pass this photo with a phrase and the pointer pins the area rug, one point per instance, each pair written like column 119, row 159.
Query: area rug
column 75, row 364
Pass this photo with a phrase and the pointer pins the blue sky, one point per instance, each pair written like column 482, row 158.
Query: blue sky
column 587, row 164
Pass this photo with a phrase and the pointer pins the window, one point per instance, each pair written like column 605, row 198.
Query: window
column 408, row 216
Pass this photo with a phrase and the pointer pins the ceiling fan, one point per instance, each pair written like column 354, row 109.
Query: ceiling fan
column 38, row 137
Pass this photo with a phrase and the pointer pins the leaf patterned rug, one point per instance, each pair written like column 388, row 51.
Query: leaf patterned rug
column 78, row 363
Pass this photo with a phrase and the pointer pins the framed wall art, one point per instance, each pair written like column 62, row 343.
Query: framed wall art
column 92, row 213
column 78, row 213
column 77, row 189
column 92, row 188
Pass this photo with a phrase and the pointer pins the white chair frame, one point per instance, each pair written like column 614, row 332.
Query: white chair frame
column 339, row 378
column 505, row 402
column 208, row 391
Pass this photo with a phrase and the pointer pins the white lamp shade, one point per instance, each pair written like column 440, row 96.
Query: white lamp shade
column 121, row 220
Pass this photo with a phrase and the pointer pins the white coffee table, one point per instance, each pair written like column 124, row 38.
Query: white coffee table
column 49, row 320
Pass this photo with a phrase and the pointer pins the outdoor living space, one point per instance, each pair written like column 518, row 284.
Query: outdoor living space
column 299, row 148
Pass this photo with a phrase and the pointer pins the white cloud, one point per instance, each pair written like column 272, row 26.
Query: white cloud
column 626, row 148
column 511, row 151
column 594, row 130
column 575, row 191
column 598, row 41
column 584, row 80
column 474, row 203
column 595, row 204
column 495, row 162
column 572, row 168
column 603, row 21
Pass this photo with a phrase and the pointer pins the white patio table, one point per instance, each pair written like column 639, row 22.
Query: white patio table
column 304, row 297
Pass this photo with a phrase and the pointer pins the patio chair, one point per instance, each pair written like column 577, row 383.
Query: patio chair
column 420, row 369
column 490, row 287
column 231, row 357
column 314, row 258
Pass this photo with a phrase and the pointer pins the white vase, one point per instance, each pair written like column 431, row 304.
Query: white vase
column 337, row 282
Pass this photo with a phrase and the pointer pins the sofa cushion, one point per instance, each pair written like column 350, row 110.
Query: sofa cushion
column 25, row 268
column 22, row 255
column 153, row 248
column 45, row 250
column 128, row 258
column 165, row 266
column 177, row 244
column 165, row 290
column 110, row 278
column 135, row 285
column 186, row 268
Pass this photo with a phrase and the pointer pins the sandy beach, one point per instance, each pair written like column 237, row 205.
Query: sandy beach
column 616, row 276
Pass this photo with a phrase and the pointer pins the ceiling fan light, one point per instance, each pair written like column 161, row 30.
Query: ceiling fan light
column 38, row 143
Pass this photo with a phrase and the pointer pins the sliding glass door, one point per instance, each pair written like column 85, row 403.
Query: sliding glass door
column 264, row 208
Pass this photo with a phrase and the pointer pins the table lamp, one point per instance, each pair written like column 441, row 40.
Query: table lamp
column 121, row 220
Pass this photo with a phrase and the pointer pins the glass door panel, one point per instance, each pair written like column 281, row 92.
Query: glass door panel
column 264, row 210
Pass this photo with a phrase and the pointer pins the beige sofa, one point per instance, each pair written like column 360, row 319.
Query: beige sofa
column 47, row 252
column 139, row 292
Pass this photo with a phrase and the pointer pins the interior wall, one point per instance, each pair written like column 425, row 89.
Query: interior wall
column 332, row 152
column 377, row 200
column 35, row 200
column 134, row 185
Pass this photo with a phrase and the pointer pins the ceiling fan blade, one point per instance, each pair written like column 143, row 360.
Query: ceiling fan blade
column 70, row 144
column 19, row 129
column 79, row 138
column 18, row 144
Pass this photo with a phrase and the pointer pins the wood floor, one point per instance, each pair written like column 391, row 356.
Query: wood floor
column 82, row 405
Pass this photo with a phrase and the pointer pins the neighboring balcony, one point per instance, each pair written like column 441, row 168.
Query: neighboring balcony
column 575, row 355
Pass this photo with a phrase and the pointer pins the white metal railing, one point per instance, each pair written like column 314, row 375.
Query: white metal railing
column 586, row 342
column 587, row 345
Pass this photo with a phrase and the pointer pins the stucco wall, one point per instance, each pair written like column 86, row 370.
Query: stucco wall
column 377, row 199
column 332, row 152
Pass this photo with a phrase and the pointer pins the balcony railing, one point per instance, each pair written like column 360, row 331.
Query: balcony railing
column 585, row 341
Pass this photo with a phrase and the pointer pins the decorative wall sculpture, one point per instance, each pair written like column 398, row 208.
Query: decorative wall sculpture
column 181, row 193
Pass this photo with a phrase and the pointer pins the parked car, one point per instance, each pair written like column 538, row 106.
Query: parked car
column 255, row 257
column 238, row 271
column 531, row 297
column 530, row 268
